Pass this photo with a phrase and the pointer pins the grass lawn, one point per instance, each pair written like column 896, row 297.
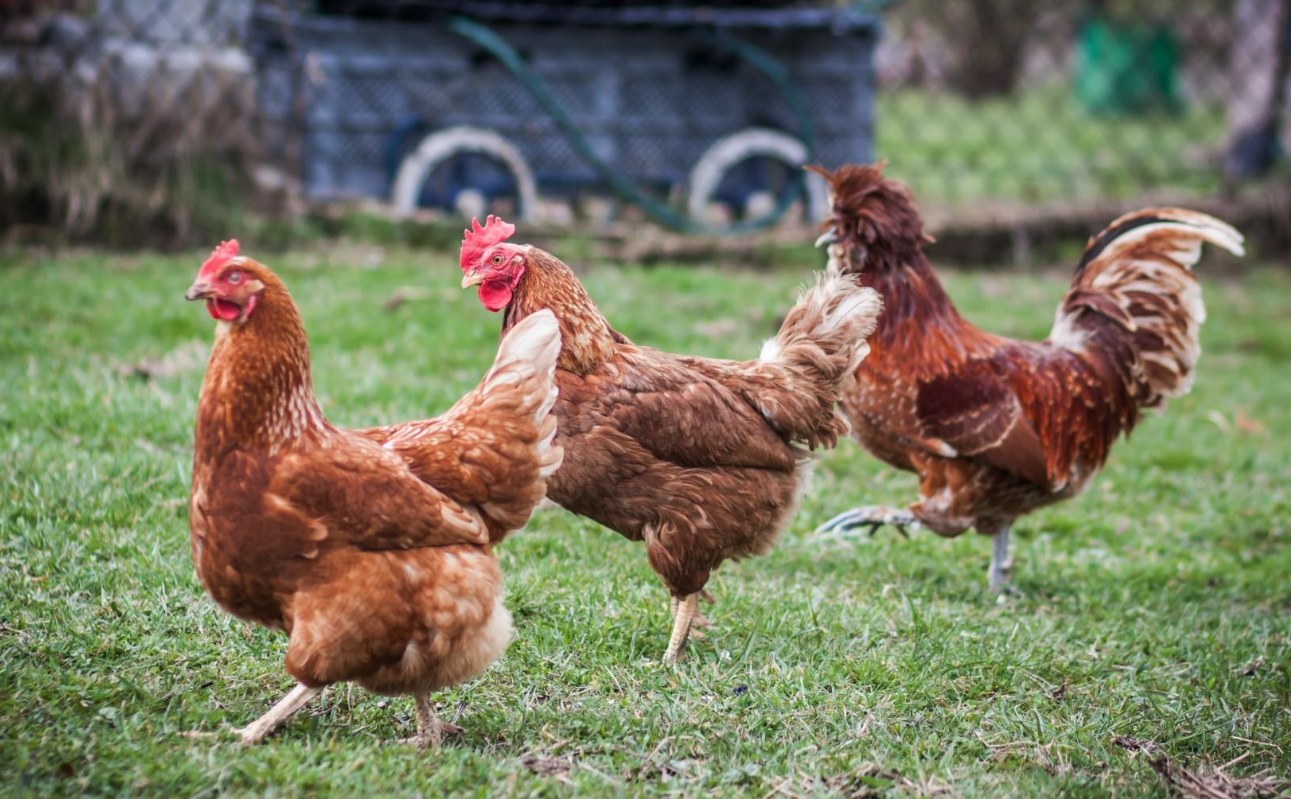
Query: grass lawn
column 1156, row 606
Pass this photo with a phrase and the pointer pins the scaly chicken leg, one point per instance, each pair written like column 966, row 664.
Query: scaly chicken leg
column 1001, row 564
column 430, row 730
column 258, row 730
column 699, row 621
column 687, row 608
column 869, row 516
column 875, row 516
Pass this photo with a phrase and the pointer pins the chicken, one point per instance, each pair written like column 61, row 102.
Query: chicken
column 372, row 552
column 996, row 428
column 701, row 459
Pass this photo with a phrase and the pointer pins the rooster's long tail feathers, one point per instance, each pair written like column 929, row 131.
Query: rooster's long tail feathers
column 816, row 353
column 1135, row 299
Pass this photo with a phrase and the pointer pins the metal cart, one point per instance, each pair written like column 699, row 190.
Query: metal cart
column 671, row 107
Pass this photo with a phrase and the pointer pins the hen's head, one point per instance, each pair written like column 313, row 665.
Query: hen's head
column 230, row 283
column 870, row 216
column 489, row 262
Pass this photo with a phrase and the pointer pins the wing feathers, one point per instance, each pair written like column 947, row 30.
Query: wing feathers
column 496, row 446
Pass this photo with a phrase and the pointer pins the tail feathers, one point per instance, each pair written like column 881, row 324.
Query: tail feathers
column 1135, row 299
column 495, row 447
column 515, row 400
column 526, row 359
column 816, row 353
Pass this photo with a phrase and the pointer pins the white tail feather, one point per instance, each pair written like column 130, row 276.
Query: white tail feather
column 1147, row 253
column 853, row 307
column 529, row 348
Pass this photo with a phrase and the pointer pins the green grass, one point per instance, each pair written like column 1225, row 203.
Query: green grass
column 880, row 665
column 1041, row 145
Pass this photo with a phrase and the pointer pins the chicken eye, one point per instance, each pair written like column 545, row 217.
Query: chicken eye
column 235, row 277
column 497, row 259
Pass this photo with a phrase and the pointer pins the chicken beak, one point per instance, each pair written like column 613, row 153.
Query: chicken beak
column 200, row 290
column 828, row 237
column 472, row 279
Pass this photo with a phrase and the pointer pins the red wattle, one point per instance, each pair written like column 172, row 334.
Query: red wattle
column 223, row 309
column 494, row 294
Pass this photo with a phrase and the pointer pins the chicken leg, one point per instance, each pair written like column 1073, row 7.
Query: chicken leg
column 687, row 607
column 699, row 620
column 258, row 730
column 430, row 730
column 869, row 516
column 1000, row 562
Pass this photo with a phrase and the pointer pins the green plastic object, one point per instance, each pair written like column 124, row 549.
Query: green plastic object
column 1127, row 69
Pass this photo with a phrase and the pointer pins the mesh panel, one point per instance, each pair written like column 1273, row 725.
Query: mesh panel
column 984, row 103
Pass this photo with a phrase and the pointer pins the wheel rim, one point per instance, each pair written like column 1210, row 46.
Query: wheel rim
column 442, row 145
column 717, row 161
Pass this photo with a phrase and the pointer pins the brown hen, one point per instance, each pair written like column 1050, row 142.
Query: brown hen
column 371, row 551
column 701, row 459
column 996, row 428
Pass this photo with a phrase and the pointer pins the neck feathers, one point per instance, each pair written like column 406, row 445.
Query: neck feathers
column 919, row 331
column 910, row 290
column 257, row 390
column 586, row 339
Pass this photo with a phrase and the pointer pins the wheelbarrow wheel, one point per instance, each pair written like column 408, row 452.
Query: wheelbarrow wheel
column 729, row 151
column 442, row 145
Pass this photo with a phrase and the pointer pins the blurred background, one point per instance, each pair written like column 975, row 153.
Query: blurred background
column 170, row 122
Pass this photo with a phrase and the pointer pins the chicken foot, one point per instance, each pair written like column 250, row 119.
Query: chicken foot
column 261, row 728
column 430, row 730
column 686, row 609
column 869, row 516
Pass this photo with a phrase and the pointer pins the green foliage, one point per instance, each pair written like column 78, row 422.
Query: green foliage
column 876, row 667
column 1041, row 145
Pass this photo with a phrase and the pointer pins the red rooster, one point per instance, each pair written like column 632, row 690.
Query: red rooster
column 374, row 560
column 997, row 428
column 701, row 459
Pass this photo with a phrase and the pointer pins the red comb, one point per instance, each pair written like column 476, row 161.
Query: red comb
column 222, row 255
column 478, row 239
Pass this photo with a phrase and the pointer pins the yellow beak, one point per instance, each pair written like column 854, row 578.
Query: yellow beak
column 472, row 279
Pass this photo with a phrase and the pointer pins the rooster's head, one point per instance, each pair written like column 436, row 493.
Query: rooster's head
column 873, row 220
column 489, row 262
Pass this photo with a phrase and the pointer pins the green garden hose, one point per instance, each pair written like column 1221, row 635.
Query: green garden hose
column 484, row 37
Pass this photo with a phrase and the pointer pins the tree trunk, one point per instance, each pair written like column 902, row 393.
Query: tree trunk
column 987, row 38
column 1257, row 85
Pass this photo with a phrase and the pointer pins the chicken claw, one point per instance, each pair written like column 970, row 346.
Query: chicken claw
column 430, row 730
column 869, row 516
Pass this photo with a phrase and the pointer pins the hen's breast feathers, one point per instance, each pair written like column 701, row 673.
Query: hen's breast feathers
column 267, row 527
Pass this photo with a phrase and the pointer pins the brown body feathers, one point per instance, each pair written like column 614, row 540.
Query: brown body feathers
column 701, row 459
column 370, row 550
